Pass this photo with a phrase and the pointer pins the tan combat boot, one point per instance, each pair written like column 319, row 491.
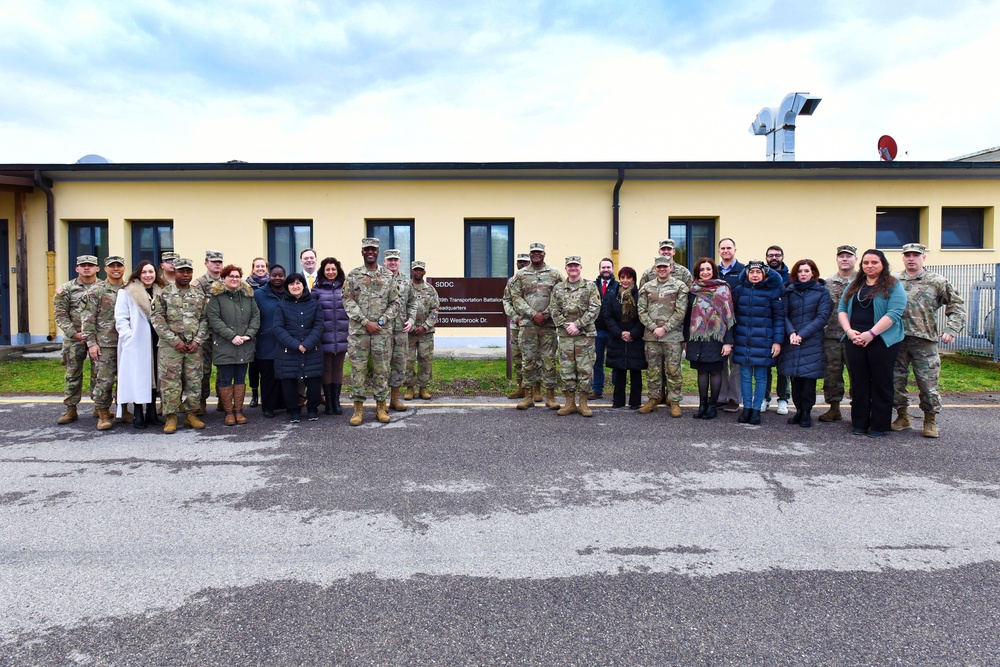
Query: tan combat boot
column 239, row 395
column 171, row 425
column 833, row 414
column 517, row 393
column 408, row 396
column 381, row 412
column 69, row 416
column 930, row 425
column 394, row 402
column 675, row 409
column 191, row 419
column 424, row 394
column 359, row 411
column 650, row 405
column 582, row 406
column 536, row 393
column 226, row 401
column 570, row 406
column 527, row 402
column 902, row 420
column 104, row 419
column 550, row 399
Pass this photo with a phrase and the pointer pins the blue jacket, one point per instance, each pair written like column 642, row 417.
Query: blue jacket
column 807, row 312
column 760, row 320
column 267, row 302
column 298, row 322
column 335, row 319
column 893, row 306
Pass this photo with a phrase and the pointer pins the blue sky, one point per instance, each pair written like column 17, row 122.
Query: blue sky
column 179, row 81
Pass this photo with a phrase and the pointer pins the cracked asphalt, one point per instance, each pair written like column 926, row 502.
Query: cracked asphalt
column 468, row 532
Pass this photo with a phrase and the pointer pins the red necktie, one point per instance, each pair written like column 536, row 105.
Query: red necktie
column 604, row 287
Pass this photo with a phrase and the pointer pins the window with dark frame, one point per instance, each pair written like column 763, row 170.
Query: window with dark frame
column 895, row 227
column 88, row 238
column 150, row 239
column 693, row 238
column 962, row 228
column 286, row 239
column 489, row 248
column 394, row 234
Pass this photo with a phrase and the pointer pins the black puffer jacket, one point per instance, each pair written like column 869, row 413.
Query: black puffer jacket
column 807, row 312
column 619, row 354
column 298, row 322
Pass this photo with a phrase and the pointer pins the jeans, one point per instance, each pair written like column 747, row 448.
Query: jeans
column 753, row 383
column 600, row 344
column 230, row 374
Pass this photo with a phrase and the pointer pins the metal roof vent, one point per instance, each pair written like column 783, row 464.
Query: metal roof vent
column 93, row 158
column 778, row 125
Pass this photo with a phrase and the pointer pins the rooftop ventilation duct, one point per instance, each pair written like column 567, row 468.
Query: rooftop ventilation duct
column 778, row 125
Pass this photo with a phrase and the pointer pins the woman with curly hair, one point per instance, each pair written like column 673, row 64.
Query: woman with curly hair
column 234, row 319
column 708, row 333
column 328, row 290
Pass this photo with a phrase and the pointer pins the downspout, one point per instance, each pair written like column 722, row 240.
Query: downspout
column 50, row 253
column 615, row 205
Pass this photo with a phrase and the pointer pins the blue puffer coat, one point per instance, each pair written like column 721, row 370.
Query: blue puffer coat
column 807, row 312
column 298, row 322
column 267, row 302
column 760, row 320
column 335, row 319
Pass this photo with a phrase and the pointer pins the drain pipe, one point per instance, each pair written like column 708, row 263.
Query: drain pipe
column 615, row 206
column 50, row 253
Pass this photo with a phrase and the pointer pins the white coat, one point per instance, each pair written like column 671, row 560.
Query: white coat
column 136, row 381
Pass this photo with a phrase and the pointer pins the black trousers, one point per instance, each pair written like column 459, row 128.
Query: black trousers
column 290, row 391
column 871, row 370
column 803, row 393
column 618, row 377
column 270, row 388
column 782, row 390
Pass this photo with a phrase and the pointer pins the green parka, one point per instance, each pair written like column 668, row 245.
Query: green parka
column 232, row 313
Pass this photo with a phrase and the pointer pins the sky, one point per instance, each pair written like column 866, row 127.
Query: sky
column 152, row 81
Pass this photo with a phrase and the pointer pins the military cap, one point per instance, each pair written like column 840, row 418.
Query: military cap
column 667, row 243
column 757, row 264
column 915, row 247
column 573, row 259
column 662, row 261
column 417, row 264
column 213, row 255
column 847, row 248
column 369, row 243
column 114, row 259
column 536, row 247
column 523, row 257
column 183, row 263
column 392, row 254
column 86, row 259
column 167, row 256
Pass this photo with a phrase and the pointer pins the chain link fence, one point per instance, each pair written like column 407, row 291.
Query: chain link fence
column 979, row 286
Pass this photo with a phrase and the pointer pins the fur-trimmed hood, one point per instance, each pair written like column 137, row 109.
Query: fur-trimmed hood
column 219, row 287
column 137, row 291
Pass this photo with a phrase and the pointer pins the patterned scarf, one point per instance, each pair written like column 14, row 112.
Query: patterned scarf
column 711, row 310
column 627, row 299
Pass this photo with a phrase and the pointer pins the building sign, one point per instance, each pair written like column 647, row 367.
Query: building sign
column 470, row 302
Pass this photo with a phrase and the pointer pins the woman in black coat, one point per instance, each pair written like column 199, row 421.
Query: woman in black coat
column 625, row 353
column 298, row 326
column 807, row 312
column 708, row 333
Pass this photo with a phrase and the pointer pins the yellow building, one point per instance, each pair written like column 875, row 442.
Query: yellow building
column 469, row 220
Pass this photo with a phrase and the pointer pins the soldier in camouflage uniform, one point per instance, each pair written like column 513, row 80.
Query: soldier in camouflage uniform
column 833, row 346
column 69, row 303
column 371, row 299
column 101, row 336
column 926, row 293
column 401, row 326
column 575, row 305
column 180, row 318
column 662, row 305
column 530, row 292
column 213, row 275
column 677, row 272
column 420, row 354
column 516, row 359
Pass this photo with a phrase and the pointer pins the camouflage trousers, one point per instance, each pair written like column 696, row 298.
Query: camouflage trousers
column 664, row 357
column 74, row 355
column 370, row 357
column 538, row 356
column 420, row 360
column 516, row 358
column 577, row 355
column 206, row 370
column 397, row 366
column 922, row 354
column 833, row 374
column 180, row 375
column 103, row 372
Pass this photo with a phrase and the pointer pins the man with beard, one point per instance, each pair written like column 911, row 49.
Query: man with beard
column 605, row 283
column 776, row 262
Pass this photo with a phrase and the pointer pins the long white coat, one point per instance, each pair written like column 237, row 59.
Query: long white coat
column 135, row 345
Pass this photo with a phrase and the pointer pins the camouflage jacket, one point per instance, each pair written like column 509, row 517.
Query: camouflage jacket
column 69, row 303
column 508, row 306
column 531, row 291
column 836, row 285
column 679, row 272
column 205, row 283
column 663, row 304
column 925, row 294
column 370, row 296
column 426, row 303
column 180, row 315
column 578, row 302
column 98, row 323
column 407, row 303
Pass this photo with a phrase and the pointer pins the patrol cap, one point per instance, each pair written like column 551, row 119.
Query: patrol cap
column 915, row 247
column 667, row 243
column 86, row 259
column 536, row 247
column 573, row 259
column 523, row 257
column 662, row 261
column 417, row 264
column 114, row 259
column 847, row 248
column 392, row 254
column 757, row 264
column 213, row 256
column 168, row 256
column 369, row 243
column 183, row 263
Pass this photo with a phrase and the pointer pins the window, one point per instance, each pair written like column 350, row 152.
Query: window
column 394, row 234
column 895, row 227
column 962, row 228
column 151, row 238
column 693, row 238
column 489, row 248
column 286, row 239
column 88, row 238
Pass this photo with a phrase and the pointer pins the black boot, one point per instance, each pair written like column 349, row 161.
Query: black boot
column 755, row 417
column 807, row 420
column 336, row 399
column 702, row 408
column 253, row 397
column 796, row 418
column 151, row 417
column 138, row 419
column 744, row 417
column 711, row 410
column 328, row 393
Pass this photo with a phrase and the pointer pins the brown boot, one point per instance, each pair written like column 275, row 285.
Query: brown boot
column 550, row 399
column 527, row 402
column 424, row 394
column 69, row 416
column 517, row 393
column 191, row 419
column 226, row 401
column 126, row 416
column 570, row 406
column 171, row 425
column 902, row 420
column 394, row 402
column 408, row 396
column 202, row 409
column 582, row 406
column 359, row 411
column 930, row 425
column 96, row 412
column 104, row 419
column 833, row 414
column 239, row 394
column 536, row 393
column 650, row 405
column 675, row 409
column 381, row 412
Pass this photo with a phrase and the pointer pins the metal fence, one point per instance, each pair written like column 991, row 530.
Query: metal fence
column 979, row 286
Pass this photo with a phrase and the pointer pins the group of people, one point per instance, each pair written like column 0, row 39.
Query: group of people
column 735, row 323
column 159, row 331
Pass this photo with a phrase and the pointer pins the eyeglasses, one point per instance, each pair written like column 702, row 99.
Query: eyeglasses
column 773, row 255
column 234, row 275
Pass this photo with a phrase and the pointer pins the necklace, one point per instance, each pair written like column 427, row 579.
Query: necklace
column 864, row 296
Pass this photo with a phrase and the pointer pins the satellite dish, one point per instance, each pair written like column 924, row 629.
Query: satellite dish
column 887, row 148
